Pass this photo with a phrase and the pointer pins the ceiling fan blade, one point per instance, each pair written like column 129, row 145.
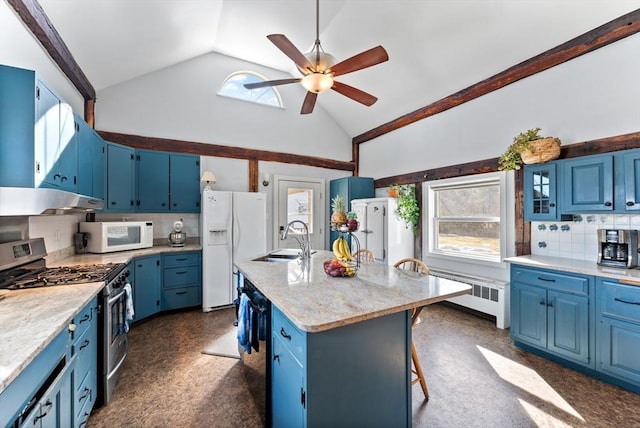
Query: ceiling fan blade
column 309, row 103
column 355, row 94
column 362, row 60
column 270, row 83
column 285, row 45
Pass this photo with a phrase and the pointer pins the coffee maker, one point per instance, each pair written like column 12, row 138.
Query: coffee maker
column 618, row 248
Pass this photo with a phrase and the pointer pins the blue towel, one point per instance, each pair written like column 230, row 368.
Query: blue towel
column 129, row 313
column 244, row 323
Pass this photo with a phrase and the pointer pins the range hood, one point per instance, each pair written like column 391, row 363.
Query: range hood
column 29, row 201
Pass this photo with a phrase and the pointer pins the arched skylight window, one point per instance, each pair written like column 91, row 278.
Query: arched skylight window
column 233, row 87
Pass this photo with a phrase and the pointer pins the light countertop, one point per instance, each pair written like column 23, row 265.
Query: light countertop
column 316, row 302
column 30, row 319
column 629, row 276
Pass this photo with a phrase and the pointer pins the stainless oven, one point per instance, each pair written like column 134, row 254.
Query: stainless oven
column 112, row 333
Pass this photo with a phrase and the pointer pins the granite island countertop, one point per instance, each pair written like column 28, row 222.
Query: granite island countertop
column 316, row 302
column 586, row 267
column 30, row 319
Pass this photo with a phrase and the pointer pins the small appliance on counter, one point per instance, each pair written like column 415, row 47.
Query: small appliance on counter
column 618, row 248
column 177, row 237
column 81, row 240
column 109, row 236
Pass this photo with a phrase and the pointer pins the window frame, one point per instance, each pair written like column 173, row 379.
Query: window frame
column 505, row 220
column 253, row 101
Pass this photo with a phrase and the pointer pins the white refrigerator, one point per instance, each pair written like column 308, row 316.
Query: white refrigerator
column 233, row 226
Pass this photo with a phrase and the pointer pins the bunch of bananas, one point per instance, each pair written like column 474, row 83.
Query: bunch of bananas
column 341, row 249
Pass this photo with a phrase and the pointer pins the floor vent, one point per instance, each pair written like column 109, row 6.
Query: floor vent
column 488, row 296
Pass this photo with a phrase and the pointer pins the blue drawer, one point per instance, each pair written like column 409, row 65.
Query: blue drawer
column 181, row 259
column 293, row 339
column 621, row 301
column 181, row 276
column 184, row 297
column 573, row 283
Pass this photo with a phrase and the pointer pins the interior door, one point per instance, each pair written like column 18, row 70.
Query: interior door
column 299, row 199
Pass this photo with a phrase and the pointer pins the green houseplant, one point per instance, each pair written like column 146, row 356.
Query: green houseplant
column 408, row 209
column 529, row 147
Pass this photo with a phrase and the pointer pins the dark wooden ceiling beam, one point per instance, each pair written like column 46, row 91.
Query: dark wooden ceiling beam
column 204, row 149
column 38, row 23
column 610, row 32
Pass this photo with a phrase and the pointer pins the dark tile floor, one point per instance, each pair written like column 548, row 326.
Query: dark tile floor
column 476, row 378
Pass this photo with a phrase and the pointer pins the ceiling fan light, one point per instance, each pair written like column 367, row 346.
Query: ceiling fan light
column 317, row 82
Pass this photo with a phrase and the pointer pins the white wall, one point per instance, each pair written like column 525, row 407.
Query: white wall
column 593, row 96
column 19, row 48
column 181, row 102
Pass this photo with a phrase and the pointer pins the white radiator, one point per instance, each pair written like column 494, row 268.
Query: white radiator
column 489, row 296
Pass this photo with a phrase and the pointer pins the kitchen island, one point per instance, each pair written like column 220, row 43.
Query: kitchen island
column 340, row 351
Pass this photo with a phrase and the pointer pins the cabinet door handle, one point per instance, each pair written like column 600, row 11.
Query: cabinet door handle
column 181, row 292
column 86, row 317
column 284, row 334
column 543, row 303
column 550, row 304
column 184, row 259
column 617, row 299
column 86, row 418
column 84, row 344
column 56, row 176
column 552, row 205
column 182, row 272
column 630, row 203
column 276, row 357
column 607, row 204
column 64, row 178
column 546, row 279
column 87, row 393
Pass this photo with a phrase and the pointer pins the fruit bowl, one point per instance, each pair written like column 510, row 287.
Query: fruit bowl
column 338, row 269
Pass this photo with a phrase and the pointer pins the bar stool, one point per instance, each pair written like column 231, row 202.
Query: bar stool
column 415, row 265
column 366, row 256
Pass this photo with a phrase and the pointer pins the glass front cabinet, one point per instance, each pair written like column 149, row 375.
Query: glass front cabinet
column 540, row 192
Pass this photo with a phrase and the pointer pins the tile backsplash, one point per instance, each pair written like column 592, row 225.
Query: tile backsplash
column 576, row 239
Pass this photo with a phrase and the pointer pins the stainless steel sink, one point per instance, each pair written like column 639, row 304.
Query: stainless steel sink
column 283, row 255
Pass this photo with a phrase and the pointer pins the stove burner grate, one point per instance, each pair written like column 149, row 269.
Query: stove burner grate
column 66, row 275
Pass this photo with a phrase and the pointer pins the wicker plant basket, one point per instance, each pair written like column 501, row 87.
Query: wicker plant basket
column 543, row 150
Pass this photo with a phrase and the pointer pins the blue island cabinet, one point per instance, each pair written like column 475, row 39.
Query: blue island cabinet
column 342, row 376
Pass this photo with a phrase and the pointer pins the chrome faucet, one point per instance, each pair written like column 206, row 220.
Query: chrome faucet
column 305, row 247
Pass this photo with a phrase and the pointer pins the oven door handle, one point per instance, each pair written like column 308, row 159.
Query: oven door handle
column 115, row 298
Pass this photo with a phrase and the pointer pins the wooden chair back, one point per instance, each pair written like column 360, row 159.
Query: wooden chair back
column 366, row 256
column 412, row 264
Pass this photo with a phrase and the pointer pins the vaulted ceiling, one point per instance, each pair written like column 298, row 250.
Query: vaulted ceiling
column 436, row 47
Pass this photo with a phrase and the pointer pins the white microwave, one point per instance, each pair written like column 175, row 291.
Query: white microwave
column 109, row 236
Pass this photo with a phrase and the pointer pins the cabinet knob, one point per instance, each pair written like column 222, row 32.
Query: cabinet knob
column 56, row 176
column 607, row 204
column 552, row 205
column 72, row 327
column 276, row 357
column 543, row 303
column 630, row 203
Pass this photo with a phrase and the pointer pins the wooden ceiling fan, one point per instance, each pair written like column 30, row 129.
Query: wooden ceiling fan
column 319, row 69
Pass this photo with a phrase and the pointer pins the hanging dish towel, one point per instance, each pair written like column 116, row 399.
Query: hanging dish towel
column 129, row 313
column 244, row 323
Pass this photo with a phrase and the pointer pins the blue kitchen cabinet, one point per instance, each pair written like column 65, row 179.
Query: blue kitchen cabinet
column 38, row 144
column 350, row 188
column 551, row 311
column 146, row 287
column 316, row 380
column 184, row 187
column 181, row 280
column 588, row 184
column 152, row 173
column 58, row 388
column 618, row 337
column 120, row 178
column 631, row 162
column 540, row 192
column 91, row 161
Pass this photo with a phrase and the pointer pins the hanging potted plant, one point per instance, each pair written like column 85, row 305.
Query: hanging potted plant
column 529, row 147
column 408, row 209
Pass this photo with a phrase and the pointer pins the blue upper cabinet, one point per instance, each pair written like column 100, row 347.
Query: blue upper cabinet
column 153, row 181
column 91, row 161
column 184, row 185
column 38, row 145
column 588, row 184
column 631, row 160
column 120, row 178
column 540, row 192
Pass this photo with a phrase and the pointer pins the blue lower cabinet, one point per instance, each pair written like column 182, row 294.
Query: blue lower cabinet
column 551, row 311
column 618, row 311
column 146, row 287
column 181, row 280
column 317, row 378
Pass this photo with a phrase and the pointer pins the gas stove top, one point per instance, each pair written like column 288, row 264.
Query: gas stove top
column 64, row 275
